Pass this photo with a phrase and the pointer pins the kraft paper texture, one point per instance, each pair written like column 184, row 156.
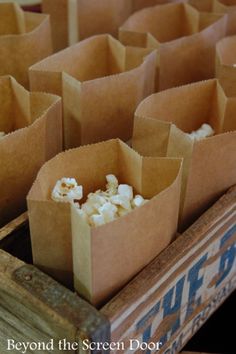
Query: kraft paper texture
column 161, row 123
column 136, row 238
column 74, row 20
column 219, row 6
column 32, row 122
column 185, row 39
column 25, row 38
column 101, row 83
column 225, row 59
column 228, row 7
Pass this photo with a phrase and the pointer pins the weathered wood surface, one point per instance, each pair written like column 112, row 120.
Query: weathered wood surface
column 35, row 308
column 168, row 301
column 13, row 226
column 173, row 296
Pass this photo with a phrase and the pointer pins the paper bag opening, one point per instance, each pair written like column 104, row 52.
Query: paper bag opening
column 50, row 222
column 32, row 123
column 99, row 95
column 25, row 38
column 226, row 64
column 161, row 124
column 11, row 19
column 164, row 22
column 186, row 48
column 135, row 238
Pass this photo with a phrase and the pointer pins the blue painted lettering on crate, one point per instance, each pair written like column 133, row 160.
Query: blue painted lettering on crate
column 146, row 321
column 228, row 257
column 170, row 309
column 195, row 283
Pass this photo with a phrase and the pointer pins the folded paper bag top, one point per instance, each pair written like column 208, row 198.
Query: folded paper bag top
column 228, row 7
column 206, row 5
column 140, row 4
column 164, row 23
column 161, row 123
column 185, row 39
column 226, row 64
column 11, row 19
column 136, row 238
column 32, row 124
column 29, row 5
column 219, row 6
column 25, row 38
column 99, row 94
column 75, row 20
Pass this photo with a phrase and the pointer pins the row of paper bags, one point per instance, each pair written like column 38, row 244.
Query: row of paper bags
column 103, row 259
column 161, row 121
column 74, row 20
column 102, row 82
column 177, row 29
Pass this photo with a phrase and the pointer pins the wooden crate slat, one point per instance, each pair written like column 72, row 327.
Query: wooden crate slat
column 138, row 311
column 45, row 306
column 14, row 225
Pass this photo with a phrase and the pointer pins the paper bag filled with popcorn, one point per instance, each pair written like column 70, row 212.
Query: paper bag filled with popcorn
column 107, row 203
column 196, row 122
column 101, row 83
column 75, row 20
column 30, row 134
column 185, row 39
column 25, row 38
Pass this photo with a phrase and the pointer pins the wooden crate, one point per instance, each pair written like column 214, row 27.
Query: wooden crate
column 167, row 302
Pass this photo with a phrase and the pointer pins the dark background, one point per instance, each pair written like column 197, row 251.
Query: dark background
column 218, row 335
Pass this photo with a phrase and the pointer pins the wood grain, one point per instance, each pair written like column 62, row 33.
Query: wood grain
column 35, row 308
column 140, row 298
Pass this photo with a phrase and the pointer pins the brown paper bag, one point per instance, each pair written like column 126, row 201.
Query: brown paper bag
column 185, row 39
column 202, row 5
column 29, row 5
column 25, row 38
column 32, row 122
column 228, row 7
column 74, row 20
column 141, row 4
column 99, row 94
column 136, row 238
column 209, row 169
column 219, row 6
column 225, row 61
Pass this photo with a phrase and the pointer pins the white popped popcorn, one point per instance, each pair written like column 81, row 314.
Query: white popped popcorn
column 96, row 199
column 96, row 220
column 112, row 181
column 203, row 132
column 112, row 185
column 67, row 190
column 88, row 208
column 100, row 207
column 122, row 212
column 108, row 211
column 138, row 201
column 121, row 200
column 126, row 191
column 2, row 134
